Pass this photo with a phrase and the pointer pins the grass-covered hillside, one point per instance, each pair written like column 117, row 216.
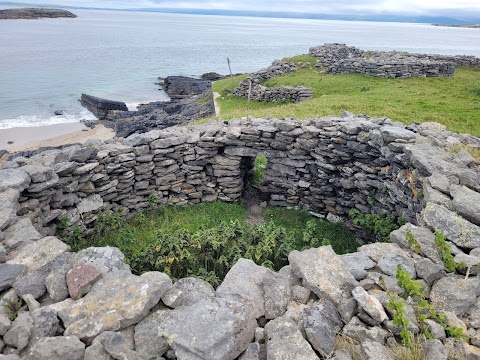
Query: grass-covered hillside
column 454, row 102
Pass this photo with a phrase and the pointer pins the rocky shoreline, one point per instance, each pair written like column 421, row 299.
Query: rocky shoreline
column 34, row 13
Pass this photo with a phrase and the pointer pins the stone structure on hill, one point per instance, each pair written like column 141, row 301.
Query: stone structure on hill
column 260, row 92
column 342, row 59
column 88, row 305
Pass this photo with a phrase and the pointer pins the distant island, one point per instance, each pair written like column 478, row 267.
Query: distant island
column 35, row 13
column 471, row 26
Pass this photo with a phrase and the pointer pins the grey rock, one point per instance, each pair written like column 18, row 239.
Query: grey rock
column 322, row 323
column 358, row 331
column 9, row 274
column 187, row 291
column 429, row 271
column 266, row 292
column 424, row 237
column 18, row 335
column 14, row 179
column 370, row 304
column 113, row 303
column 45, row 322
column 347, row 309
column 341, row 355
column 376, row 251
column 455, row 294
column 255, row 351
column 434, row 350
column 56, row 283
column 323, row 272
column 5, row 324
column 106, row 259
column 376, row 351
column 300, row 294
column 456, row 229
column 58, row 348
column 231, row 327
column 358, row 263
column 89, row 204
column 119, row 348
column 39, row 253
column 436, row 330
column 32, row 304
column 473, row 318
column 389, row 264
column 285, row 341
column 96, row 351
column 10, row 357
column 466, row 202
column 393, row 133
column 38, row 173
column 20, row 233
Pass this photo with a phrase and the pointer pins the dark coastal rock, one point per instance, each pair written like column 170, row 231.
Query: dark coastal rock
column 211, row 76
column 34, row 13
column 100, row 107
column 191, row 99
column 176, row 86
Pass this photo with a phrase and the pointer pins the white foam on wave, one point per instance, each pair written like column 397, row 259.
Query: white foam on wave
column 38, row 120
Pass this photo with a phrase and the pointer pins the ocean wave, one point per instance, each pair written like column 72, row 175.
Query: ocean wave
column 39, row 120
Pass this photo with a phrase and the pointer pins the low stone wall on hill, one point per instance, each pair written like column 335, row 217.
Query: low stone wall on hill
column 260, row 92
column 342, row 59
column 88, row 305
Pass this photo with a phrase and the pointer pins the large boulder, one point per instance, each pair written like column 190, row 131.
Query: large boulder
column 39, row 253
column 265, row 292
column 188, row 291
column 324, row 273
column 21, row 233
column 466, row 202
column 424, row 237
column 455, row 293
column 106, row 259
column 115, row 302
column 58, row 348
column 322, row 323
column 456, row 229
column 286, row 342
column 216, row 329
column 14, row 179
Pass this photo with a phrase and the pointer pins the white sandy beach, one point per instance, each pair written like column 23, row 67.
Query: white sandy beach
column 31, row 138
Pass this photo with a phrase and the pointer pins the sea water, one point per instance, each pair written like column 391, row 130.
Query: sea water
column 45, row 65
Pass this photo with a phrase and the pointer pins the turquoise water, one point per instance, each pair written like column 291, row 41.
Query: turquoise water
column 46, row 64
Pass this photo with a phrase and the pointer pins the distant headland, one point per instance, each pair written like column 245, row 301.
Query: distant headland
column 471, row 26
column 35, row 13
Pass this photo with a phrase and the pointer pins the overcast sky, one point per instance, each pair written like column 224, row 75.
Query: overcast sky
column 400, row 7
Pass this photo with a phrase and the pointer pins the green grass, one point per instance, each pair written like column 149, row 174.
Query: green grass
column 454, row 101
column 260, row 170
column 206, row 240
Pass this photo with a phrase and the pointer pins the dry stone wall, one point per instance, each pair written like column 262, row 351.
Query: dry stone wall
column 88, row 305
column 342, row 59
column 260, row 92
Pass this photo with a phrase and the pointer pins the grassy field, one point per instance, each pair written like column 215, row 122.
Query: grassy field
column 454, row 102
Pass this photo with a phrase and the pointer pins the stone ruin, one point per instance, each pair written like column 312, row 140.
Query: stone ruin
column 260, row 92
column 342, row 59
column 88, row 305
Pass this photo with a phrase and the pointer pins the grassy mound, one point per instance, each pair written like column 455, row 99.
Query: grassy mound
column 206, row 240
column 454, row 102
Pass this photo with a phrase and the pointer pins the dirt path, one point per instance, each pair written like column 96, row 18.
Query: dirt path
column 216, row 95
column 252, row 200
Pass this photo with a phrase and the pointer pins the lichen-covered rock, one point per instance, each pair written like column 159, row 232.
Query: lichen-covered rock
column 115, row 302
column 323, row 272
column 358, row 263
column 466, row 202
column 376, row 351
column 266, row 292
column 455, row 294
column 322, row 323
column 39, row 253
column 370, row 304
column 21, row 233
column 424, row 237
column 286, row 342
column 58, row 348
column 456, row 229
column 188, row 291
column 20, row 332
column 217, row 329
column 106, row 259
